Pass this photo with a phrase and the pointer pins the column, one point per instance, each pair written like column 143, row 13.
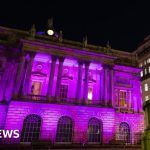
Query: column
column 4, row 79
column 112, row 87
column 79, row 82
column 51, row 76
column 101, row 86
column 85, row 91
column 105, row 85
column 11, row 81
column 60, row 69
column 19, row 76
column 26, row 84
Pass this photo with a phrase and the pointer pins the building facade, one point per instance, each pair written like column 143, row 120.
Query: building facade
column 143, row 57
column 68, row 92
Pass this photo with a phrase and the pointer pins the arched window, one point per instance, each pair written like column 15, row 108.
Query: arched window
column 31, row 128
column 95, row 130
column 124, row 132
column 64, row 130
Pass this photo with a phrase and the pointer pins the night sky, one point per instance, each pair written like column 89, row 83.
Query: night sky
column 125, row 23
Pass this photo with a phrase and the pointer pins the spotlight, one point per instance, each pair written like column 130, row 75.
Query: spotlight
column 50, row 32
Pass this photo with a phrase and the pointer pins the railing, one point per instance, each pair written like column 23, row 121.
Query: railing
column 34, row 97
column 84, row 138
column 124, row 109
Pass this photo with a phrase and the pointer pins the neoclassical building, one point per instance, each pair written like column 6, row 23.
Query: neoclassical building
column 64, row 91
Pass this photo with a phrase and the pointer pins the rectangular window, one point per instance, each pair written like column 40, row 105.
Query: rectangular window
column 63, row 91
column 123, row 98
column 141, row 73
column 145, row 62
column 146, row 87
column 90, row 93
column 149, row 69
column 146, row 98
column 36, row 88
column 148, row 60
column 145, row 71
column 140, row 65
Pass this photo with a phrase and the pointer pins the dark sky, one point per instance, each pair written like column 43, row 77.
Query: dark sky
column 125, row 23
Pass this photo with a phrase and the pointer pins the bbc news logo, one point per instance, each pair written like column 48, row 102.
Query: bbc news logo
column 9, row 134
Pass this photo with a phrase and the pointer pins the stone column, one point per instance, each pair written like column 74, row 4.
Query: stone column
column 60, row 69
column 51, row 76
column 4, row 79
column 105, row 84
column 19, row 76
column 11, row 81
column 26, row 84
column 112, row 87
column 85, row 91
column 79, row 82
column 101, row 96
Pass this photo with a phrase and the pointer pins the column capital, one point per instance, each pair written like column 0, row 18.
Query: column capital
column 80, row 62
column 107, row 66
column 61, row 59
column 53, row 57
column 87, row 63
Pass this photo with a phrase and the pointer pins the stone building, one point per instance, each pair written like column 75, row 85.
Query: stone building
column 143, row 57
column 68, row 92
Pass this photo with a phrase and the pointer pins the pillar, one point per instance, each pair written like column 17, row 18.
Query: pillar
column 85, row 91
column 112, row 87
column 60, row 69
column 105, row 85
column 26, row 84
column 19, row 76
column 4, row 79
column 51, row 77
column 79, row 82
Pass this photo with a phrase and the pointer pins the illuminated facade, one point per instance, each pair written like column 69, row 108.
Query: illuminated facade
column 68, row 92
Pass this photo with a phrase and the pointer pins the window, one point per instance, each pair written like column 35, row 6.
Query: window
column 146, row 87
column 140, row 65
column 146, row 98
column 141, row 73
column 31, row 128
column 124, row 132
column 123, row 98
column 90, row 93
column 63, row 91
column 145, row 62
column 36, row 88
column 148, row 60
column 145, row 71
column 64, row 130
column 95, row 131
column 149, row 69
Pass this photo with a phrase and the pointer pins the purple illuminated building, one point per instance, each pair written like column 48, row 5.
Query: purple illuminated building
column 68, row 92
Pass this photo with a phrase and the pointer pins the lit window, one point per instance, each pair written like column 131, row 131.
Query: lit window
column 123, row 98
column 145, row 71
column 146, row 98
column 141, row 73
column 63, row 91
column 146, row 87
column 149, row 69
column 148, row 60
column 90, row 93
column 145, row 62
column 141, row 65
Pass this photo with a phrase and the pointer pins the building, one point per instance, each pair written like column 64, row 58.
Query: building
column 68, row 92
column 143, row 57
